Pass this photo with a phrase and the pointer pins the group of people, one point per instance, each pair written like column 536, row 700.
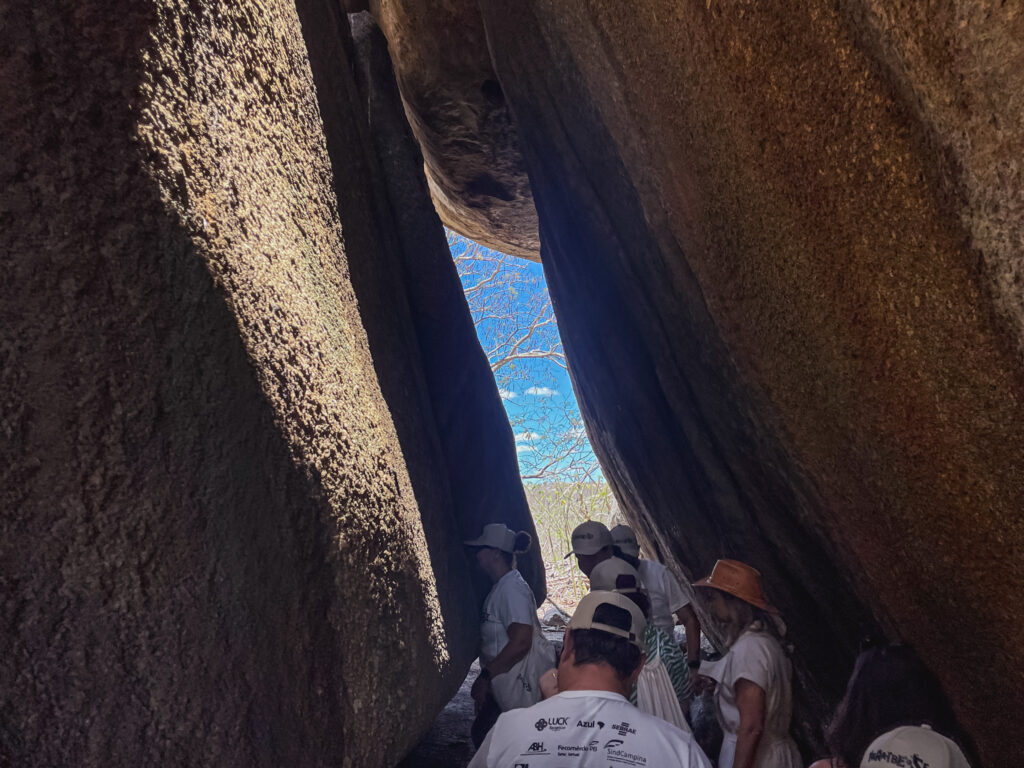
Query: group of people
column 619, row 692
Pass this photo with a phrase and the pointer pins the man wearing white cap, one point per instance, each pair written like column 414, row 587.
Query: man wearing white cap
column 667, row 596
column 589, row 723
column 591, row 543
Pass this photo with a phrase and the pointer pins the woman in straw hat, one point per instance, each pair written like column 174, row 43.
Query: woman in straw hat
column 513, row 650
column 753, row 695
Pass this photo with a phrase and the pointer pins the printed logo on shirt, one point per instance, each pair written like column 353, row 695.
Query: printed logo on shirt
column 613, row 743
column 623, row 757
column 554, row 723
column 586, row 723
column 903, row 761
column 537, row 748
column 521, row 765
column 623, row 728
column 574, row 750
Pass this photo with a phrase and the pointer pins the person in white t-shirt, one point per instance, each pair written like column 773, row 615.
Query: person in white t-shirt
column 513, row 651
column 590, row 723
column 669, row 599
column 753, row 697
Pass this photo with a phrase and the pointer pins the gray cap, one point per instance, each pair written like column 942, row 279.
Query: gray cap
column 589, row 538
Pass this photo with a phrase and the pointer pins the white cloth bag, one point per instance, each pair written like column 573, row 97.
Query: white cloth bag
column 656, row 696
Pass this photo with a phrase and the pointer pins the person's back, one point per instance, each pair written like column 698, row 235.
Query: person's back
column 590, row 728
column 590, row 723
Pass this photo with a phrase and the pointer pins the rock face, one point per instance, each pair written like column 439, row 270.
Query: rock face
column 459, row 116
column 783, row 245
column 229, row 530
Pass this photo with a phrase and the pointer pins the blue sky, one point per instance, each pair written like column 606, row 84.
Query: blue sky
column 511, row 311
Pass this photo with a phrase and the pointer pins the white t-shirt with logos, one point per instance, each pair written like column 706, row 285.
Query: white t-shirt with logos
column 511, row 601
column 586, row 729
column 666, row 594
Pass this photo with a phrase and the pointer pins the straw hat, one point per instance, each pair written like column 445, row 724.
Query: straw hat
column 739, row 580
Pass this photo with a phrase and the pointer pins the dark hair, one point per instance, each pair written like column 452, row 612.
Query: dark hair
column 634, row 561
column 890, row 686
column 522, row 544
column 592, row 646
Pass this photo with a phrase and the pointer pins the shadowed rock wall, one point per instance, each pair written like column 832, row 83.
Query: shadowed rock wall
column 783, row 247
column 214, row 553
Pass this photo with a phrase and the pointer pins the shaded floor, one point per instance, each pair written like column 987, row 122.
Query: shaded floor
column 447, row 743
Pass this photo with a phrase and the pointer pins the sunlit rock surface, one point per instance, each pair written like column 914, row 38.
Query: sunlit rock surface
column 458, row 113
column 783, row 244
column 228, row 538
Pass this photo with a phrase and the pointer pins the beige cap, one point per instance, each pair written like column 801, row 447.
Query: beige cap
column 584, row 616
column 615, row 575
column 624, row 538
column 913, row 745
column 589, row 538
column 496, row 535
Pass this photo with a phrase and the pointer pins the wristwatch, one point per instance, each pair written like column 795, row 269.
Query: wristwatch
column 693, row 663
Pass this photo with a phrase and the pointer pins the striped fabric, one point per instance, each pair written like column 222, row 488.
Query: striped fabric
column 658, row 643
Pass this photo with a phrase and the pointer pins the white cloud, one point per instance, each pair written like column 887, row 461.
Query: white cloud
column 525, row 448
column 527, row 437
column 541, row 391
column 507, row 394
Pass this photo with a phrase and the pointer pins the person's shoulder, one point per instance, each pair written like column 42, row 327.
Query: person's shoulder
column 757, row 641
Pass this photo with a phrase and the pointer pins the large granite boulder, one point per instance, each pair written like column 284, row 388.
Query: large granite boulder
column 459, row 116
column 783, row 245
column 228, row 536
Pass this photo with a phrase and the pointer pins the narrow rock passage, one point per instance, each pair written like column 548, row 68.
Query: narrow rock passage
column 447, row 744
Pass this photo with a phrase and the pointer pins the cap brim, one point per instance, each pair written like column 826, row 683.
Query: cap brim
column 764, row 606
column 475, row 543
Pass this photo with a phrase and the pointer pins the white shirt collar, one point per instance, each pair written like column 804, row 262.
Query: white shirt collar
column 591, row 694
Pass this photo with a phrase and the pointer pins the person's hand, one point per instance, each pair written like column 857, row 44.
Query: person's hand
column 549, row 684
column 695, row 679
column 702, row 683
column 481, row 688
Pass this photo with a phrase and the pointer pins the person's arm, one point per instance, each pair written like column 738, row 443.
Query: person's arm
column 480, row 758
column 688, row 618
column 520, row 640
column 750, row 701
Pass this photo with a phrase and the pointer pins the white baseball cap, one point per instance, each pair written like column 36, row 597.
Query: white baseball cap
column 609, row 574
column 624, row 538
column 913, row 745
column 496, row 535
column 589, row 538
column 583, row 618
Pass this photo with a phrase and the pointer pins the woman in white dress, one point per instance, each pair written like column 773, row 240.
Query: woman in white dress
column 513, row 651
column 753, row 694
